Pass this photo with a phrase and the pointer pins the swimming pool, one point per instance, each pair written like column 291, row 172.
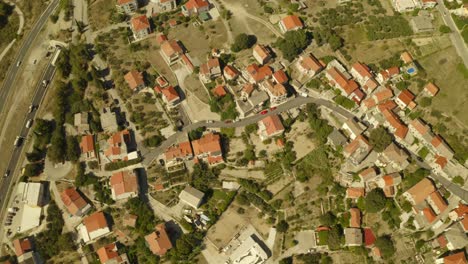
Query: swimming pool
column 411, row 70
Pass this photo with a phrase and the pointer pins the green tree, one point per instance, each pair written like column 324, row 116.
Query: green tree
column 73, row 149
column 287, row 260
column 425, row 101
column 33, row 169
column 334, row 238
column 282, row 226
column 375, row 200
column 328, row 219
column 385, row 244
column 380, row 139
column 293, row 43
column 444, row 29
column 252, row 128
column 243, row 41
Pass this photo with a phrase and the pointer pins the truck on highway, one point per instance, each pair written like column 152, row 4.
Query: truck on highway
column 17, row 142
column 29, row 123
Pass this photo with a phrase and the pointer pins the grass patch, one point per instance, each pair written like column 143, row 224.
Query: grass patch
column 423, row 152
column 463, row 70
column 323, row 238
column 458, row 180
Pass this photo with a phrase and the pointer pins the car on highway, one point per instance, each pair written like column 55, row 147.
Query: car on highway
column 18, row 63
column 161, row 161
column 29, row 123
column 209, row 121
column 7, row 173
column 264, row 112
column 228, row 121
column 44, row 83
column 31, row 108
column 18, row 141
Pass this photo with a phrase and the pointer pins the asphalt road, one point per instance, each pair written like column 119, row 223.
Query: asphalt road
column 455, row 36
column 151, row 154
column 14, row 69
column 15, row 155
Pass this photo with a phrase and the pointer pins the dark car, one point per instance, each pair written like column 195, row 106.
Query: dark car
column 7, row 173
column 161, row 161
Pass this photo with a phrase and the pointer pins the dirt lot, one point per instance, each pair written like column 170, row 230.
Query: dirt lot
column 298, row 134
column 99, row 13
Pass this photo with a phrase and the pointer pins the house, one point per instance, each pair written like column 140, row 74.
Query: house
column 431, row 89
column 124, row 184
column 395, row 157
column 395, row 125
column 210, row 70
column 353, row 128
column 108, row 120
column 441, row 147
column 94, row 226
column 422, row 131
column 261, row 53
column 369, row 237
column 459, row 212
column 388, row 74
column 166, row 5
column 405, row 5
column 117, row 147
column 30, row 257
column 109, row 254
column 289, row 23
column 309, row 65
column 22, row 246
column 456, row 237
column 195, row 7
column 336, row 138
column 188, row 63
column 457, row 258
column 177, row 154
column 368, row 174
column 208, row 148
column 405, row 100
column 255, row 74
column 388, row 183
column 355, row 218
column 250, row 250
column 269, row 127
column 277, row 92
column 361, row 72
column 357, row 150
column 219, row 91
column 355, row 192
column 31, row 193
column 230, row 73
column 158, row 241
column 81, row 123
column 160, row 38
column 353, row 237
column 280, row 77
column 135, row 80
column 420, row 191
column 140, row 27
column 406, row 57
column 437, row 202
column 338, row 80
column 171, row 51
column 88, row 152
column 191, row 196
column 170, row 97
column 75, row 203
column 127, row 6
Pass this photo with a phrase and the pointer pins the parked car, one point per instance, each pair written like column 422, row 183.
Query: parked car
column 228, row 121
column 264, row 112
column 273, row 108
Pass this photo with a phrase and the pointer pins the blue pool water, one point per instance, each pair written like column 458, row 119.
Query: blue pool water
column 410, row 70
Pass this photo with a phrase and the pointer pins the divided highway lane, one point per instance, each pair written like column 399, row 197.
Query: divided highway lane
column 14, row 68
column 15, row 156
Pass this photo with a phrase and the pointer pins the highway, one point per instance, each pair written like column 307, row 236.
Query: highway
column 15, row 155
column 14, row 69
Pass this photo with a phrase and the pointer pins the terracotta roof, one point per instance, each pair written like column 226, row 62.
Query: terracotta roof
column 95, row 221
column 442, row 241
column 400, row 129
column 355, row 220
column 431, row 89
column 214, row 160
column 196, row 4
column 187, row 62
column 211, row 64
column 275, row 89
column 219, row 91
column 119, row 137
column 134, row 79
column 420, row 126
column 171, row 47
column 73, row 200
column 292, row 22
column 209, row 143
column 461, row 210
column 406, row 97
column 261, row 51
column 170, row 93
column 406, row 57
column 464, row 223
column 369, row 102
column 124, row 182
column 368, row 174
column 347, row 85
column 309, row 62
column 230, row 71
column 140, row 23
column 393, row 71
column 181, row 150
column 441, row 161
column 362, row 70
column 438, row 201
column 389, row 105
column 107, row 253
column 158, row 241
column 358, row 95
column 436, row 141
column 356, row 144
column 160, row 38
column 376, row 251
column 421, row 190
column 355, row 192
column 22, row 246
column 369, row 237
column 259, row 73
column 457, row 258
column 370, row 85
column 162, row 82
column 272, row 124
column 87, row 144
column 280, row 76
column 383, row 95
column 122, row 2
column 248, row 88
column 429, row 214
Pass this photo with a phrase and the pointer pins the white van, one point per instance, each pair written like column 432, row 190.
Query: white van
column 29, row 123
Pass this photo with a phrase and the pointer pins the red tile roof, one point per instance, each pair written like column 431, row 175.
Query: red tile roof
column 369, row 237
column 421, row 190
column 108, row 252
column 95, row 221
column 355, row 192
column 292, row 22
column 461, row 210
column 347, row 85
column 134, row 79
column 231, row 71
column 140, row 23
column 158, row 241
column 406, row 57
column 261, row 51
column 196, row 4
column 259, row 73
column 181, row 150
column 431, row 89
column 362, row 70
column 429, row 214
column 219, row 91
column 438, row 201
column 272, row 124
column 383, row 95
column 309, row 62
column 73, row 200
column 280, row 76
column 124, row 182
column 406, row 97
column 457, row 258
column 355, row 219
column 209, row 143
column 442, row 241
column 441, row 161
column 22, row 246
column 170, row 93
column 87, row 144
column 400, row 129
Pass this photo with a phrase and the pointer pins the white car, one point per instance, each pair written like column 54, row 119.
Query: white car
column 18, row 63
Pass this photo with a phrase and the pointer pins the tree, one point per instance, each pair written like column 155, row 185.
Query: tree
column 153, row 141
column 444, row 29
column 242, row 199
column 33, row 169
column 328, row 219
column 334, row 238
column 73, row 149
column 293, row 43
column 57, row 149
column 425, row 101
column 282, row 226
column 249, row 129
column 385, row 244
column 375, row 200
column 380, row 139
column 287, row 260
column 243, row 41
